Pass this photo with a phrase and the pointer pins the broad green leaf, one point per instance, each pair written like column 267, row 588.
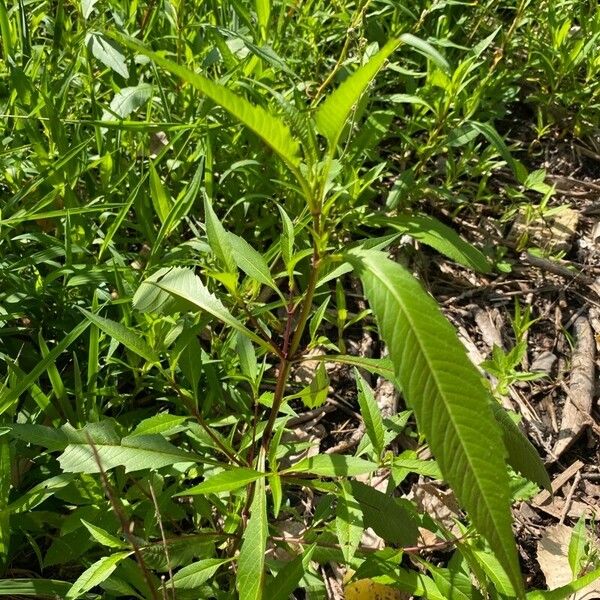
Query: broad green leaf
column 250, row 261
column 184, row 285
column 124, row 335
column 393, row 519
column 454, row 586
column 194, row 575
column 226, row 481
column 218, row 240
column 522, row 456
column 444, row 239
column 163, row 423
column 348, row 521
column 8, row 396
column 128, row 99
column 251, row 561
column 426, row 49
column 288, row 578
column 333, row 112
column 333, row 465
column 107, row 53
column 566, row 591
column 134, row 453
column 370, row 413
column 102, row 536
column 160, row 196
column 451, row 405
column 267, row 126
column 95, row 574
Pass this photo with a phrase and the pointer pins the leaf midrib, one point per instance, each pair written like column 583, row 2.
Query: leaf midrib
column 374, row 269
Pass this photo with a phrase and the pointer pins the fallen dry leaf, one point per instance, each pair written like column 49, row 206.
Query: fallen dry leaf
column 367, row 589
column 552, row 556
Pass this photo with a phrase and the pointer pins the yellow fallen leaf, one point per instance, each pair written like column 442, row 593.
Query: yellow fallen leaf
column 367, row 589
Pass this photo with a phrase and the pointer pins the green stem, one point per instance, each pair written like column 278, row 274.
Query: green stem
column 290, row 347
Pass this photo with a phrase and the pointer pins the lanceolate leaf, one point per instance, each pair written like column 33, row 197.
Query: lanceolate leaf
column 123, row 335
column 194, row 575
column 267, row 126
column 450, row 402
column 332, row 114
column 251, row 562
column 522, row 456
column 8, row 396
column 250, row 261
column 444, row 239
column 224, row 482
column 333, row 465
column 370, row 413
column 96, row 574
column 133, row 452
column 217, row 238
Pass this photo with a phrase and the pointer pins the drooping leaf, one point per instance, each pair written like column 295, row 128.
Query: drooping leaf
column 522, row 456
column 132, row 341
column 426, row 49
column 267, row 126
column 333, row 112
column 251, row 561
column 370, row 413
column 226, row 481
column 184, row 285
column 451, row 405
column 333, row 465
column 95, row 574
column 444, row 239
